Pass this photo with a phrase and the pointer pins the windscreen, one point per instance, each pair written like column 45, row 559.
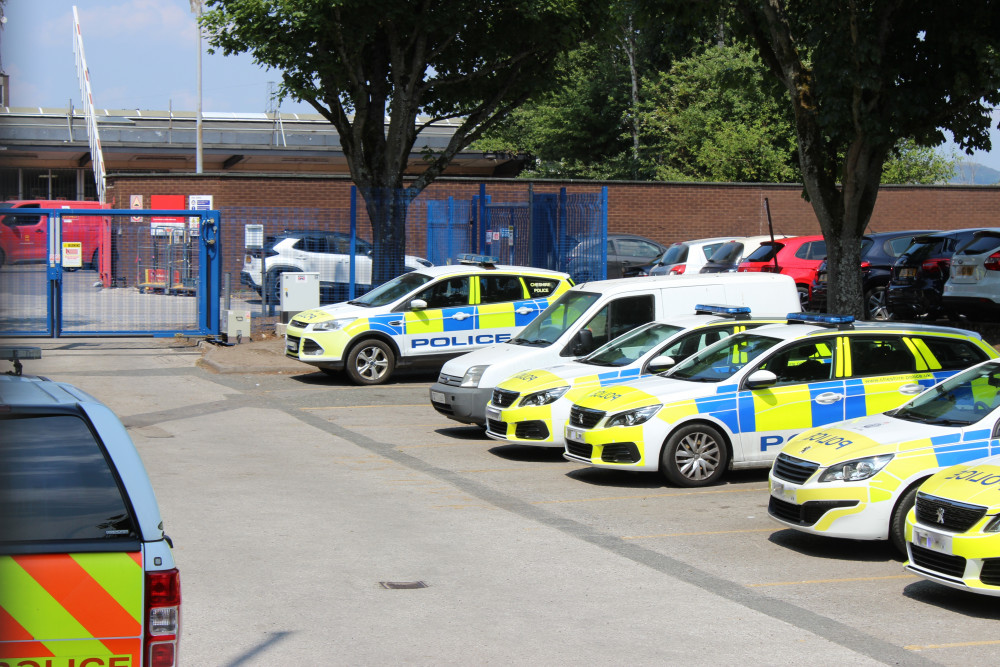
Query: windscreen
column 556, row 319
column 675, row 254
column 981, row 243
column 626, row 349
column 961, row 400
column 387, row 293
column 728, row 253
column 923, row 247
column 765, row 253
column 724, row 359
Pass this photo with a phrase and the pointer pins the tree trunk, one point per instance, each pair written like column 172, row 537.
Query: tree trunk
column 387, row 209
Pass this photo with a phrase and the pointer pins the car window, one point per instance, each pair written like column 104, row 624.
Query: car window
column 961, row 400
column 675, row 254
column 628, row 347
column 765, row 253
column 446, row 293
column 637, row 248
column 987, row 242
column 880, row 355
column 498, row 288
column 56, row 484
column 388, row 292
column 897, row 246
column 812, row 250
column 556, row 319
column 540, row 288
column 720, row 361
column 620, row 316
column 709, row 249
column 311, row 244
column 810, row 361
column 728, row 253
column 695, row 341
column 948, row 354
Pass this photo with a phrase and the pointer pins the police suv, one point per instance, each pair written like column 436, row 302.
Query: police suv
column 736, row 402
column 86, row 572
column 423, row 317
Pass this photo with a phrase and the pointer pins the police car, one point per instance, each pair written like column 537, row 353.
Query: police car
column 531, row 408
column 858, row 479
column 86, row 572
column 953, row 532
column 736, row 402
column 423, row 317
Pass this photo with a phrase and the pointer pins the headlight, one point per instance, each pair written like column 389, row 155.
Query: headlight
column 333, row 325
column 993, row 526
column 856, row 470
column 634, row 417
column 473, row 375
column 543, row 397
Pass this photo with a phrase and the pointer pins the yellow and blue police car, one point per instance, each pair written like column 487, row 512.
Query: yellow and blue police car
column 736, row 402
column 422, row 318
column 86, row 573
column 532, row 407
column 953, row 531
column 858, row 479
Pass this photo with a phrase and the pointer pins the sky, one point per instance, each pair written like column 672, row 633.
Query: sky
column 143, row 54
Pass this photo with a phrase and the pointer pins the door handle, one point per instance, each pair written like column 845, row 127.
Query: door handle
column 396, row 323
column 911, row 389
column 829, row 397
column 460, row 316
column 524, row 310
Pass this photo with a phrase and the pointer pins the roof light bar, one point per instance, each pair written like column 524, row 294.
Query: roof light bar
column 737, row 312
column 822, row 319
column 481, row 260
column 15, row 354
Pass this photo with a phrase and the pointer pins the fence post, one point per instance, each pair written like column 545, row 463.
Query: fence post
column 481, row 235
column 353, row 241
column 210, row 270
column 451, row 228
column 604, row 230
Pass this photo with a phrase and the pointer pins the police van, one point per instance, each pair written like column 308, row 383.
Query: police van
column 86, row 571
column 423, row 318
column 590, row 315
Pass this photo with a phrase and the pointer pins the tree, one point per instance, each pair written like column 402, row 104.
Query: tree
column 381, row 73
column 863, row 74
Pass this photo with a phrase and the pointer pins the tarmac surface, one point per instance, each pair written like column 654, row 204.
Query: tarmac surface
column 317, row 522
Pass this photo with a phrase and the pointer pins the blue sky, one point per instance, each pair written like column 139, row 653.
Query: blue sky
column 142, row 54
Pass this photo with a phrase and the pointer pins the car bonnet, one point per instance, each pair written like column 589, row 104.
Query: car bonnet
column 977, row 483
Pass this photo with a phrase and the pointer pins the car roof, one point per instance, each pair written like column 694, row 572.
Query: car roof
column 797, row 330
column 474, row 269
column 626, row 284
column 715, row 239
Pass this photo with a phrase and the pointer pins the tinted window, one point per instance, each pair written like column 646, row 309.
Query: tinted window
column 880, row 355
column 728, row 253
column 948, row 354
column 896, row 247
column 710, row 249
column 982, row 244
column 540, row 288
column 620, row 316
column 765, row 253
column 804, row 362
column 813, row 250
column 675, row 254
column 496, row 289
column 312, row 244
column 448, row 293
column 56, row 485
column 924, row 247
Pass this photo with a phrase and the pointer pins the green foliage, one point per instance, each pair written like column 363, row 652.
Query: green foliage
column 910, row 164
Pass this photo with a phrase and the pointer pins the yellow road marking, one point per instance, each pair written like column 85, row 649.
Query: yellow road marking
column 918, row 647
column 706, row 532
column 651, row 495
column 832, row 581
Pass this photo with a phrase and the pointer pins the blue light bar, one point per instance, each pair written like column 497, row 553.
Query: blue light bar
column 719, row 309
column 469, row 258
column 820, row 318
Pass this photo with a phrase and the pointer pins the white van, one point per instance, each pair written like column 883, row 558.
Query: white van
column 588, row 316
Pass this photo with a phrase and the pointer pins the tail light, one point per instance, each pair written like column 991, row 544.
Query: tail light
column 163, row 617
column 770, row 268
column 933, row 266
column 866, row 265
column 993, row 262
column 678, row 269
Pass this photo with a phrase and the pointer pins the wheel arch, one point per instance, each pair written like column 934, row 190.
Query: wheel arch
column 708, row 420
column 370, row 335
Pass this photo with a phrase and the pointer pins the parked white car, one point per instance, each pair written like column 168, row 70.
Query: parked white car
column 686, row 256
column 973, row 287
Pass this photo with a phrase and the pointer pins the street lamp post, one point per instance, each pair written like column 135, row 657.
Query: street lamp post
column 196, row 8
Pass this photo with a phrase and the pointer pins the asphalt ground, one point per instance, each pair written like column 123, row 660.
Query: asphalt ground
column 293, row 498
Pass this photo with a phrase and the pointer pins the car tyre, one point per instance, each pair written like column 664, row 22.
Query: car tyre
column 897, row 522
column 370, row 362
column 95, row 261
column 694, row 455
column 876, row 307
column 274, row 286
column 803, row 291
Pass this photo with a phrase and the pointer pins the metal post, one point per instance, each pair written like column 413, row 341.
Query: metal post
column 354, row 235
column 481, row 236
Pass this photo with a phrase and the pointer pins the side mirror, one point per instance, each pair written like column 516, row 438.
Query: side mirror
column 418, row 304
column 761, row 379
column 661, row 363
column 583, row 342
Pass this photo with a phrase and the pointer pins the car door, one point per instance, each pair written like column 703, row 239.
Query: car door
column 631, row 253
column 446, row 324
column 29, row 232
column 809, row 392
column 505, row 306
column 884, row 371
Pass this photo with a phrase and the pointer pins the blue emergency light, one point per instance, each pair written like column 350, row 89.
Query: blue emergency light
column 736, row 312
column 839, row 321
column 481, row 260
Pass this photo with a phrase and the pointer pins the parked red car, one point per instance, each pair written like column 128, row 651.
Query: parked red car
column 24, row 236
column 798, row 257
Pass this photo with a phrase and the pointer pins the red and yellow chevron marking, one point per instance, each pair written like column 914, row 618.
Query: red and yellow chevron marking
column 71, row 610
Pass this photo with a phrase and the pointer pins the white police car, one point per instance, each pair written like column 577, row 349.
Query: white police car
column 423, row 317
column 736, row 402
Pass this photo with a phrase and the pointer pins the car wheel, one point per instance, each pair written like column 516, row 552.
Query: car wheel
column 897, row 523
column 370, row 362
column 694, row 455
column 3, row 258
column 274, row 286
column 875, row 304
column 95, row 260
column 803, row 291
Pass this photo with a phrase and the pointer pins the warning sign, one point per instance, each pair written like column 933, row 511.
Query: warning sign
column 72, row 254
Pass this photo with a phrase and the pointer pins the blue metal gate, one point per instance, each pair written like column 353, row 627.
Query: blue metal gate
column 87, row 272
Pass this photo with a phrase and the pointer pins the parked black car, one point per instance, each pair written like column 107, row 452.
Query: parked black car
column 626, row 254
column 879, row 252
column 918, row 276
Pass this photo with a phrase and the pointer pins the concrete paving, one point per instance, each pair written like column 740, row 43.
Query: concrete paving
column 294, row 499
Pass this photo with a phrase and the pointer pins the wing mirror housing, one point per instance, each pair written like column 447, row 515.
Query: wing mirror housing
column 661, row 363
column 761, row 379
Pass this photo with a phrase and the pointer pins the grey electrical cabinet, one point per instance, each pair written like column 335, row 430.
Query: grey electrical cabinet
column 299, row 291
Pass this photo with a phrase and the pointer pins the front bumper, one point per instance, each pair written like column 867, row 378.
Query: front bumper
column 534, row 425
column 463, row 404
column 618, row 447
column 832, row 509
column 323, row 350
column 912, row 300
column 967, row 561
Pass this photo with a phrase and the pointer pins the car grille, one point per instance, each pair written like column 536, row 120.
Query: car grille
column 449, row 380
column 503, row 398
column 805, row 514
column 947, row 514
column 952, row 566
column 991, row 572
column 309, row 346
column 584, row 417
column 580, row 449
column 620, row 452
column 496, row 427
column 532, row 430
column 299, row 324
column 792, row 469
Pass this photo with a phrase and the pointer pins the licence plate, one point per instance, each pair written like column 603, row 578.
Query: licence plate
column 574, row 434
column 493, row 413
column 965, row 271
column 438, row 397
column 292, row 344
column 782, row 492
column 907, row 273
column 929, row 539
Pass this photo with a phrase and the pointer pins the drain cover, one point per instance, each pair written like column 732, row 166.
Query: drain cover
column 402, row 584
